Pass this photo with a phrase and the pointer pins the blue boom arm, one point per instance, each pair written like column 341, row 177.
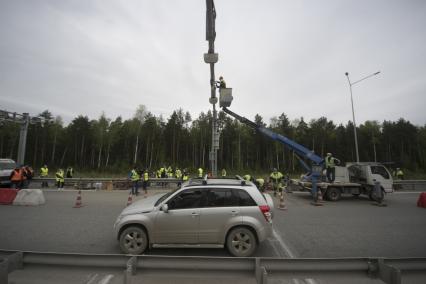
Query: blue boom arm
column 300, row 150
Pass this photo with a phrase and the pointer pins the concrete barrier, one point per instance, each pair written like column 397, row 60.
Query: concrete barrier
column 31, row 197
column 7, row 196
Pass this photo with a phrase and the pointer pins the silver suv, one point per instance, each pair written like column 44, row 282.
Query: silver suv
column 207, row 213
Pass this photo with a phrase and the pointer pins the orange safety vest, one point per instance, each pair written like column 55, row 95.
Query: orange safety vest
column 17, row 175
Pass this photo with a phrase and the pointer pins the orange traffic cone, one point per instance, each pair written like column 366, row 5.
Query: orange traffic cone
column 129, row 200
column 282, row 205
column 78, row 202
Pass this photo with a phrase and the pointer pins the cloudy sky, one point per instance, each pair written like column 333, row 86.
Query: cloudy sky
column 85, row 56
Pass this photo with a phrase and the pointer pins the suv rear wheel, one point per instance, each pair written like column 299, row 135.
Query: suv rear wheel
column 241, row 242
column 133, row 240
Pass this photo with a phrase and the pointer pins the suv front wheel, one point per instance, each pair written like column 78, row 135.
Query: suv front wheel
column 241, row 242
column 133, row 240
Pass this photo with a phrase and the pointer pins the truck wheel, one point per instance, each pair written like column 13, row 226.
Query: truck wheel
column 241, row 242
column 333, row 194
column 133, row 240
column 373, row 196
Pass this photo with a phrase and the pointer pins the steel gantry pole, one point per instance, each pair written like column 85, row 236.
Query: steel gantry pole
column 24, row 120
column 353, row 112
column 211, row 58
column 23, row 138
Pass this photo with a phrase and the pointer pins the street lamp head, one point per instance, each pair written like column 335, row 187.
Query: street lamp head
column 377, row 73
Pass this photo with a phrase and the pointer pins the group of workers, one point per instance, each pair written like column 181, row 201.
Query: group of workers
column 59, row 176
column 20, row 176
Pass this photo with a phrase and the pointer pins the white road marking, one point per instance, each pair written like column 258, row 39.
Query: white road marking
column 284, row 246
column 92, row 278
column 106, row 279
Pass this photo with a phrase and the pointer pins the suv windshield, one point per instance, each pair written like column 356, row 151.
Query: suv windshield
column 164, row 197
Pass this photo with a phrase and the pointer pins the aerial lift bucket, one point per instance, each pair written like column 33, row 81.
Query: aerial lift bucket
column 225, row 97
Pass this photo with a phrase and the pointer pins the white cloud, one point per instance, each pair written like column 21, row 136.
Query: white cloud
column 84, row 57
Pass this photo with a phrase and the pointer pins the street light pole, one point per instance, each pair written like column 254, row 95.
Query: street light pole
column 353, row 112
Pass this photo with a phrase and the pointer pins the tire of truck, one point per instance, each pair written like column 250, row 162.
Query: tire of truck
column 372, row 195
column 333, row 194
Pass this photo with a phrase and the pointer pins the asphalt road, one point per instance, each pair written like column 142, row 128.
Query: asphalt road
column 348, row 228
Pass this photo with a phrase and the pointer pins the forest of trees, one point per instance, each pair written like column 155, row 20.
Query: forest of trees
column 150, row 141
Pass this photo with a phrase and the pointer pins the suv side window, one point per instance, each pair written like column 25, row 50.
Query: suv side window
column 221, row 197
column 190, row 198
column 245, row 199
column 378, row 170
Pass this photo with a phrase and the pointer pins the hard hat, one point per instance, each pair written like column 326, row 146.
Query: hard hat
column 328, row 154
column 275, row 169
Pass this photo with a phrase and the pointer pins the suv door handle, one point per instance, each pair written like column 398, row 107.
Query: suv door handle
column 194, row 214
column 234, row 213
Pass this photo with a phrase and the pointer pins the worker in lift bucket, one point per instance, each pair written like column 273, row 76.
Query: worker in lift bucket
column 221, row 83
column 330, row 164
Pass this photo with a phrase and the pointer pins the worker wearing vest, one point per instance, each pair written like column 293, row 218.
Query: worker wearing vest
column 70, row 172
column 134, row 177
column 185, row 175
column 399, row 174
column 145, row 181
column 28, row 173
column 60, row 179
column 200, row 172
column 260, row 182
column 44, row 172
column 221, row 84
column 247, row 177
column 178, row 175
column 223, row 173
column 17, row 178
column 276, row 178
column 330, row 164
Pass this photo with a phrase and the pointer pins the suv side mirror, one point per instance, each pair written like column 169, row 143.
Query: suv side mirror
column 165, row 208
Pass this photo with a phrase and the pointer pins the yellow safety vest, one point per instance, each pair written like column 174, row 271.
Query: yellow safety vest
column 134, row 176
column 60, row 176
column 44, row 172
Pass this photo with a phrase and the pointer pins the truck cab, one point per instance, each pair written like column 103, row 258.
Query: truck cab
column 368, row 173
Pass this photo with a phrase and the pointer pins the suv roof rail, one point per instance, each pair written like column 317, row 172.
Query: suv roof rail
column 243, row 181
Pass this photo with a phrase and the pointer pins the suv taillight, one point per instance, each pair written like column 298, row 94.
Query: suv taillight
column 266, row 211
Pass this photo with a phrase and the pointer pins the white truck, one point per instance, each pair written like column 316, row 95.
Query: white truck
column 355, row 179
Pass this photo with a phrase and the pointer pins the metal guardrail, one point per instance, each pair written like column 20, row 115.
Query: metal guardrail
column 105, row 183
column 261, row 270
column 409, row 184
